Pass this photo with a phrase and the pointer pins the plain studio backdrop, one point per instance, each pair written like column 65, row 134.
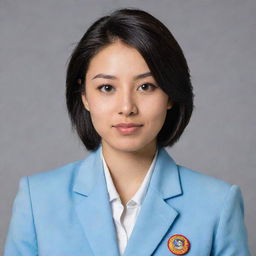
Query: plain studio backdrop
column 218, row 39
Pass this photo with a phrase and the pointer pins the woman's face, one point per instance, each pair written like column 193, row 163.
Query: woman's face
column 118, row 92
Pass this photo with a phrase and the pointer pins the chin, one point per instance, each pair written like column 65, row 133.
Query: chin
column 129, row 146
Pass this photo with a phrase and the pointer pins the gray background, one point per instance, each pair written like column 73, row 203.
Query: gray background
column 218, row 39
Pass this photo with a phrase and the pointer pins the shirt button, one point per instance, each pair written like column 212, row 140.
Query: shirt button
column 131, row 203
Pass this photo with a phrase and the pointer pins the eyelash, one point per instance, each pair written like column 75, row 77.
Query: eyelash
column 153, row 86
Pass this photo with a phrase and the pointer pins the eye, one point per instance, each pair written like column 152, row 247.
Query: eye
column 148, row 85
column 106, row 86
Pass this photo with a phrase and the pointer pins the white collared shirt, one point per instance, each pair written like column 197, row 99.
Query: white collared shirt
column 125, row 217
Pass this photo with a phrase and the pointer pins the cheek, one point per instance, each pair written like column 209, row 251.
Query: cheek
column 100, row 115
column 98, row 105
column 156, row 111
column 156, row 116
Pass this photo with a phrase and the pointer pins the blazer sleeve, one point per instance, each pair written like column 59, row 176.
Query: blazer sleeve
column 231, row 237
column 21, row 237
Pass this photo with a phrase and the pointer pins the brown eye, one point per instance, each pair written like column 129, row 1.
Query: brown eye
column 106, row 86
column 148, row 85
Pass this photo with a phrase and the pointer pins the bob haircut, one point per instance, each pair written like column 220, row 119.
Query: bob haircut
column 160, row 51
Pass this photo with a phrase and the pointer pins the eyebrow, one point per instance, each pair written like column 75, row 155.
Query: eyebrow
column 140, row 76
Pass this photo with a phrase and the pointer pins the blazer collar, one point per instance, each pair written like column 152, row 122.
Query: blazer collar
column 165, row 177
column 95, row 214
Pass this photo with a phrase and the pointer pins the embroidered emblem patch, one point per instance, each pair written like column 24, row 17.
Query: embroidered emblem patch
column 178, row 244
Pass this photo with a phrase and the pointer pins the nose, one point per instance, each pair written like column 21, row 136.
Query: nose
column 127, row 104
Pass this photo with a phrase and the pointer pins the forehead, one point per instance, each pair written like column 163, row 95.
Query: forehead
column 117, row 59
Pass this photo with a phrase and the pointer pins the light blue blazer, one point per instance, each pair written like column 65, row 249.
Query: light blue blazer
column 66, row 212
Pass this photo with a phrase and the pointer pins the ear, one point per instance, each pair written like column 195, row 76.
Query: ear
column 170, row 104
column 83, row 97
column 84, row 100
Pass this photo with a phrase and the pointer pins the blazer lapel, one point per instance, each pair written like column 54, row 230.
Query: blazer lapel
column 156, row 215
column 94, row 210
column 93, row 207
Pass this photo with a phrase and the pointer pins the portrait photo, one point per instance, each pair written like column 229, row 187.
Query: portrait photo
column 127, row 128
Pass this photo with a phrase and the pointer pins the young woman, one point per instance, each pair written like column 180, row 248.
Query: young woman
column 129, row 95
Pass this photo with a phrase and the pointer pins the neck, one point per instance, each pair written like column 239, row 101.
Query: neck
column 128, row 169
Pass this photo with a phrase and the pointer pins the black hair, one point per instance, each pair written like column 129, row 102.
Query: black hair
column 161, row 52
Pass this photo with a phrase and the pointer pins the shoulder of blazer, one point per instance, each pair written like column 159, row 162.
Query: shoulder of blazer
column 202, row 180
column 207, row 190
column 59, row 179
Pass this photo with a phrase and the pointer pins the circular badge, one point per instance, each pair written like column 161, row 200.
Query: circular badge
column 178, row 244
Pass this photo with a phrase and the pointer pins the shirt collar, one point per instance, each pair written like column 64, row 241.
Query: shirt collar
column 141, row 192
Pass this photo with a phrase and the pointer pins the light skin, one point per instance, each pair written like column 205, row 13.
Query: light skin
column 125, row 99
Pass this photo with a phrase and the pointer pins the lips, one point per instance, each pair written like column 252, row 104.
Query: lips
column 128, row 129
column 128, row 125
